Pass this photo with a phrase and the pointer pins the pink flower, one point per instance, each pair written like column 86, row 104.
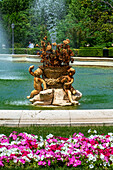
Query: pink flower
column 70, row 151
column 22, row 161
column 43, row 163
column 49, row 162
column 1, row 163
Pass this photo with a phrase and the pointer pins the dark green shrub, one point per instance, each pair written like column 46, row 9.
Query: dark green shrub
column 31, row 51
column 90, row 52
column 20, row 51
column 110, row 53
column 75, row 51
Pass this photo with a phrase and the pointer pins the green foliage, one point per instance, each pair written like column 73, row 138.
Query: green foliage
column 110, row 53
column 76, row 52
column 14, row 6
column 89, row 22
column 20, row 50
column 83, row 22
column 31, row 51
column 55, row 130
column 83, row 51
column 90, row 52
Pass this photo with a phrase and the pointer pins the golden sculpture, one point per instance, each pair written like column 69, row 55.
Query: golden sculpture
column 67, row 84
column 57, row 75
column 37, row 81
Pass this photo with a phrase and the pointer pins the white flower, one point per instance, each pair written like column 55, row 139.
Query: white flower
column 102, row 156
column 15, row 160
column 66, row 144
column 74, row 140
column 41, row 138
column 94, row 158
column 78, row 135
column 3, row 149
column 91, row 166
column 1, row 135
column 42, row 158
column 89, row 131
column 37, row 157
column 77, row 151
column 111, row 144
column 49, row 136
column 2, row 154
column 95, row 146
column 57, row 151
column 26, row 159
column 69, row 140
column 40, row 144
column 108, row 164
column 90, row 157
column 6, row 144
column 100, row 146
column 62, row 141
column 107, row 144
column 104, row 163
column 30, row 155
column 36, row 136
column 64, row 152
column 111, row 138
column 94, row 131
column 48, row 155
column 111, row 134
column 13, row 142
column 91, row 137
column 111, row 158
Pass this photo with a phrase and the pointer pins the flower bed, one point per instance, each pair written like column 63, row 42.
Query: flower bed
column 77, row 151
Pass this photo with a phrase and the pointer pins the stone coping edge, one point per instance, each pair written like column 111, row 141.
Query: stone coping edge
column 22, row 118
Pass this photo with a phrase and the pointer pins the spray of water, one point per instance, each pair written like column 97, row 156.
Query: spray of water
column 3, row 39
column 50, row 11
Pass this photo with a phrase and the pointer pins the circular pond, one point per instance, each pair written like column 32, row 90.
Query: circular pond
column 96, row 85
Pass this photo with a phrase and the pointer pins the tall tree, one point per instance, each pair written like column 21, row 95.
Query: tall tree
column 14, row 11
column 90, row 22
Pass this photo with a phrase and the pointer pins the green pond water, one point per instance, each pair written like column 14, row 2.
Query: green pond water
column 96, row 85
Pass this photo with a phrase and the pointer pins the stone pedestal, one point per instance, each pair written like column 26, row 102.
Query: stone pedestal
column 55, row 97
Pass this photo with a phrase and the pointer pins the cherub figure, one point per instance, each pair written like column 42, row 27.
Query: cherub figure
column 67, row 85
column 37, row 81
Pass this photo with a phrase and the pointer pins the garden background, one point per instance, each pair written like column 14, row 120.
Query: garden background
column 86, row 23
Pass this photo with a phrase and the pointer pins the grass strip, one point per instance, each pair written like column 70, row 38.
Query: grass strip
column 64, row 131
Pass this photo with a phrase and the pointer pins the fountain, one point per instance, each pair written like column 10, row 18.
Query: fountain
column 57, row 76
column 3, row 40
column 51, row 11
column 4, row 47
column 95, row 83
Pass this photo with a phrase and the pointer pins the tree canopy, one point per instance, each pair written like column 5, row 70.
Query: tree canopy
column 83, row 21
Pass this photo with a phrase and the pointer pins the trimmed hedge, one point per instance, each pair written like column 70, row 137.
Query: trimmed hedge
column 90, row 52
column 110, row 52
column 82, row 52
column 75, row 51
column 31, row 51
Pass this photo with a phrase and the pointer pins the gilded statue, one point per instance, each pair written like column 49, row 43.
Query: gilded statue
column 37, row 81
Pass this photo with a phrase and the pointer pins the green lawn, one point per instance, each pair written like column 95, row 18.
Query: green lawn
column 56, row 130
